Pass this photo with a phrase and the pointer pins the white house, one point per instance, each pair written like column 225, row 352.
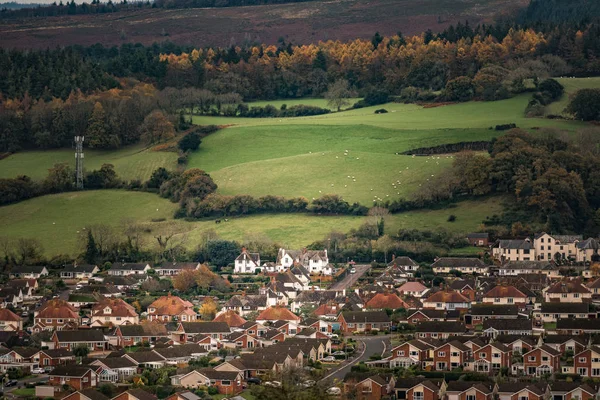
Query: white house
column 124, row 269
column 246, row 262
column 315, row 261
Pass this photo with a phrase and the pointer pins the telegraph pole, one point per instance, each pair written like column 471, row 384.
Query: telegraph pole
column 79, row 162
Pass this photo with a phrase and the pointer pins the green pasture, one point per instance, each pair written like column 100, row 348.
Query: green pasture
column 134, row 162
column 571, row 86
column 316, row 102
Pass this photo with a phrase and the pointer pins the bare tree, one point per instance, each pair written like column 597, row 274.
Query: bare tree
column 28, row 250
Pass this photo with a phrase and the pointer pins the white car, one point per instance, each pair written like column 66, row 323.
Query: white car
column 272, row 384
column 38, row 371
column 334, row 391
column 353, row 270
column 78, row 287
column 328, row 359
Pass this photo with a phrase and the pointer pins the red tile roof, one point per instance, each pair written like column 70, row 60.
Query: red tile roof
column 505, row 291
column 118, row 308
column 277, row 313
column 447, row 296
column 7, row 315
column 386, row 300
column 231, row 318
column 57, row 308
column 170, row 305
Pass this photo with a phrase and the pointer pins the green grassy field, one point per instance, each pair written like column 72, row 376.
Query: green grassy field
column 317, row 102
column 130, row 163
column 571, row 86
column 307, row 156
column 58, row 220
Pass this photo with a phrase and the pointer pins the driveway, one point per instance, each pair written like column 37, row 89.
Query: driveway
column 351, row 279
column 370, row 345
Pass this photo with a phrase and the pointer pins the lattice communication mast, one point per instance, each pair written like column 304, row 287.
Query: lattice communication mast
column 79, row 161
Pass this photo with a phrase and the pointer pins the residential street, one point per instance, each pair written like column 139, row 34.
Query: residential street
column 22, row 382
column 370, row 345
column 351, row 279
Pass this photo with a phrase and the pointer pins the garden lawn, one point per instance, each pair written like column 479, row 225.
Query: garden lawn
column 24, row 392
column 133, row 162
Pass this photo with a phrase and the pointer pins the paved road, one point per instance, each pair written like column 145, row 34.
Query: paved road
column 370, row 345
column 22, row 382
column 351, row 279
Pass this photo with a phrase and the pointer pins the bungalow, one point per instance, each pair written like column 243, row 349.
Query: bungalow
column 85, row 394
column 9, row 321
column 271, row 337
column 271, row 359
column 187, row 331
column 552, row 312
column 521, row 391
column 187, row 395
column 571, row 291
column 125, row 269
column 405, row 263
column 501, row 294
column 69, row 340
column 491, row 358
column 174, row 268
column 414, row 317
column 146, row 359
column 447, row 300
column 28, row 272
column 78, row 377
column 115, row 369
column 74, row 271
column 171, row 308
column 439, row 330
column 17, row 357
column 577, row 326
column 382, row 301
column 277, row 313
column 289, row 328
column 514, row 268
column 479, row 239
column 246, row 262
column 135, row 394
column 53, row 358
column 227, row 382
column 462, row 390
column 147, row 332
column 444, row 265
column 541, row 361
column 231, row 318
column 318, row 325
column 483, row 312
column 415, row 289
column 561, row 390
column 253, row 329
column 363, row 321
column 240, row 340
column 495, row 327
column 182, row 353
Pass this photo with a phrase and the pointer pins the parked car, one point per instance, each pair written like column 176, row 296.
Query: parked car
column 254, row 381
column 334, row 391
column 308, row 383
column 273, row 383
column 328, row 359
column 38, row 371
column 12, row 382
column 353, row 270
column 339, row 353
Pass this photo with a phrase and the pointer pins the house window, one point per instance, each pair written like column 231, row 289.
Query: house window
column 576, row 295
column 418, row 396
column 441, row 354
column 85, row 379
column 531, row 358
column 582, row 371
column 510, row 300
column 545, row 358
column 470, row 397
column 454, row 354
column 497, row 300
column 401, row 352
column 481, row 355
column 523, row 398
column 225, row 383
column 48, row 320
column 595, row 371
column 496, row 355
column 582, row 359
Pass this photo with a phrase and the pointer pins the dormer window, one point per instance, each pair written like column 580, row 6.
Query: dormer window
column 107, row 310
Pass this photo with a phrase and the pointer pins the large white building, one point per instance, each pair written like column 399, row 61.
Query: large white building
column 315, row 261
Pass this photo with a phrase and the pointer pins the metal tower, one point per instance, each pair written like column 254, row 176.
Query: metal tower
column 79, row 161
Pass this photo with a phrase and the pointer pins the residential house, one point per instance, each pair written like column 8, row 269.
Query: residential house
column 450, row 356
column 444, row 265
column 171, row 308
column 240, row 340
column 561, row 390
column 146, row 359
column 446, row 300
column 556, row 247
column 318, row 325
column 55, row 314
column 277, row 313
column 373, row 388
column 174, row 268
column 246, row 262
column 17, row 357
column 125, row 269
column 231, row 318
column 113, row 312
column 495, row 327
column 566, row 343
column 514, row 250
column 147, row 332
column 414, row 317
column 552, row 312
column 439, row 330
column 289, row 328
column 521, row 391
column 93, row 339
column 227, row 382
column 541, row 360
column 415, row 289
column 587, row 362
column 491, row 358
column 85, row 394
column 75, row 271
column 385, row 300
column 28, row 272
column 578, row 326
column 364, row 321
column 413, row 352
column 568, row 291
column 482, row 312
column 315, row 261
column 188, row 331
column 53, row 357
column 424, row 390
column 479, row 239
column 115, row 369
column 187, row 395
column 515, row 268
column 135, row 394
column 78, row 377
column 272, row 359
column 502, row 294
column 519, row 344
column 463, row 390
column 247, row 304
column 587, row 250
column 405, row 263
column 9, row 321
column 253, row 329
column 181, row 354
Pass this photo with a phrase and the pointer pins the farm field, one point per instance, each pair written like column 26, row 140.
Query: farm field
column 133, row 162
column 57, row 221
column 353, row 153
column 307, row 101
column 571, row 86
